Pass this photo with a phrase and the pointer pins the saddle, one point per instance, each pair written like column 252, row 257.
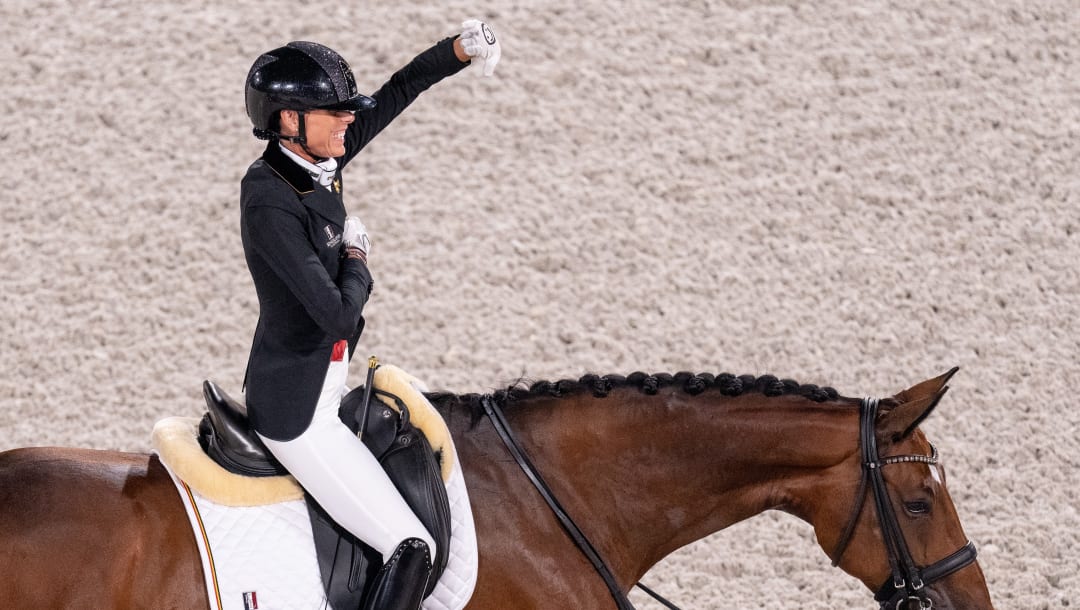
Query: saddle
column 345, row 563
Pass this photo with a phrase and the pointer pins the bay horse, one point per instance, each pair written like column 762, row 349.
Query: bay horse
column 644, row 464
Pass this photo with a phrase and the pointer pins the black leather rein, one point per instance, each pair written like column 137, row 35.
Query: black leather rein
column 907, row 583
column 495, row 414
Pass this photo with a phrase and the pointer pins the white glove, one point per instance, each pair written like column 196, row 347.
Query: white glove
column 479, row 43
column 355, row 235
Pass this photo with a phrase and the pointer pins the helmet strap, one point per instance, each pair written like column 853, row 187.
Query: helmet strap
column 301, row 138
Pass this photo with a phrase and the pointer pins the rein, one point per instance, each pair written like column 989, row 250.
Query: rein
column 908, row 581
column 498, row 421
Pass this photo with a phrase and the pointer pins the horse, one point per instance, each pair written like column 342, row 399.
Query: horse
column 642, row 464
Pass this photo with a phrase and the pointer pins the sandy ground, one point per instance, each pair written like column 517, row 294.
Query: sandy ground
column 857, row 194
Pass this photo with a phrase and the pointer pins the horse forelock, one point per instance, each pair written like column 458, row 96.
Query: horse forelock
column 600, row 386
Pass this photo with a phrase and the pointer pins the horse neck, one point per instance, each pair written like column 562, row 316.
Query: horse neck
column 645, row 475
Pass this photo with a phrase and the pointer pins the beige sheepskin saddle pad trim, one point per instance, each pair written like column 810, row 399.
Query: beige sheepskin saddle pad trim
column 410, row 390
column 175, row 440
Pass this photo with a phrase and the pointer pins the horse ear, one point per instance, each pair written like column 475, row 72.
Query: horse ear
column 900, row 421
column 926, row 388
column 914, row 405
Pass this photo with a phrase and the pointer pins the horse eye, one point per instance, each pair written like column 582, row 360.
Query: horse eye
column 918, row 507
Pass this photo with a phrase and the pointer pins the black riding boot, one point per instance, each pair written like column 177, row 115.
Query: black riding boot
column 401, row 582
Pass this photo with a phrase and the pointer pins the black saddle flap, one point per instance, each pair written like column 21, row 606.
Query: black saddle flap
column 412, row 466
column 347, row 564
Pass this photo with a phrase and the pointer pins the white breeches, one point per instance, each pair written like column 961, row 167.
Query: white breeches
column 342, row 474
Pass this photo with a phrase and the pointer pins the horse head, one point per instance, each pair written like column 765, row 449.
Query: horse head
column 891, row 522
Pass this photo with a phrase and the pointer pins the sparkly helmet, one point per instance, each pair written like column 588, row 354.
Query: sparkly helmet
column 299, row 76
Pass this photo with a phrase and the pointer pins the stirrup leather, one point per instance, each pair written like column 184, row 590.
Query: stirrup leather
column 401, row 582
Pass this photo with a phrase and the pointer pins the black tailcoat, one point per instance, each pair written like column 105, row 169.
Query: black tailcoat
column 310, row 296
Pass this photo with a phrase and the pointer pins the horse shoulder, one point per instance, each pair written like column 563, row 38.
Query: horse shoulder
column 114, row 519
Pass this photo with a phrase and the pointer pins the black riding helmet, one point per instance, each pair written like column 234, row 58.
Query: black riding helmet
column 299, row 76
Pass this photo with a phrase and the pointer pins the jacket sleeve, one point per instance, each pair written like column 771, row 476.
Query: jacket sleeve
column 280, row 239
column 396, row 94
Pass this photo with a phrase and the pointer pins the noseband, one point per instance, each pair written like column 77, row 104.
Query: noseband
column 908, row 582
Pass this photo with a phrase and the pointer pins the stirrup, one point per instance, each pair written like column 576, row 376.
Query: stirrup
column 401, row 582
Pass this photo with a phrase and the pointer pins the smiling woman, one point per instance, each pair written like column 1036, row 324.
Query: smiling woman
column 309, row 264
column 325, row 132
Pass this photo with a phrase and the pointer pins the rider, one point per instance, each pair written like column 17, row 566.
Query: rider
column 309, row 265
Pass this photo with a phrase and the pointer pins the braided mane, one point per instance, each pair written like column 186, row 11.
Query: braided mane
column 600, row 386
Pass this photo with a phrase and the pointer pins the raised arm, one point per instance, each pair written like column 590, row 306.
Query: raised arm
column 476, row 44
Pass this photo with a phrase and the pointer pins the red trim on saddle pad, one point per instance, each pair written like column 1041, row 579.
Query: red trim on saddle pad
column 339, row 351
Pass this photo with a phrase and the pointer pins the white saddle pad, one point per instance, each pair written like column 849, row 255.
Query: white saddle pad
column 263, row 557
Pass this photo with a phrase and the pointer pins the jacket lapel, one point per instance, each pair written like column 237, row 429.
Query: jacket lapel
column 326, row 203
column 290, row 172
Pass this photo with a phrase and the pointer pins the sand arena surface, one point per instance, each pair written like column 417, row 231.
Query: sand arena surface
column 857, row 194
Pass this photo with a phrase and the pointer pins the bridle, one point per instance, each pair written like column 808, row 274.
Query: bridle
column 908, row 582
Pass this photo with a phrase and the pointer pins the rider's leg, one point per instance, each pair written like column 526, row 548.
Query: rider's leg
column 346, row 479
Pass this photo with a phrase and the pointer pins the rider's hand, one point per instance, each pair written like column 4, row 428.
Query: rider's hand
column 355, row 235
column 479, row 43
